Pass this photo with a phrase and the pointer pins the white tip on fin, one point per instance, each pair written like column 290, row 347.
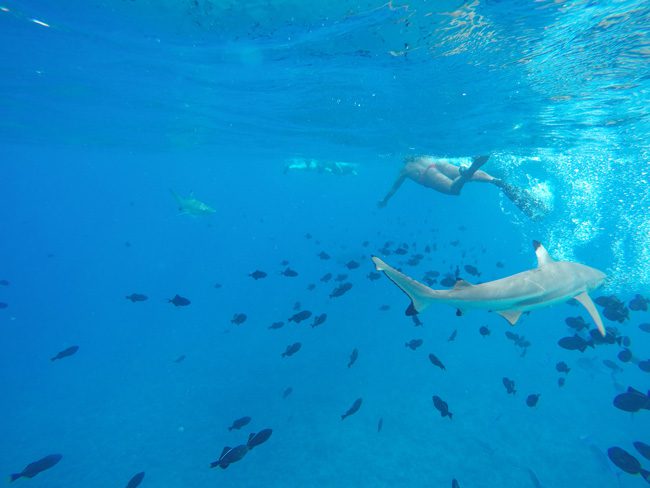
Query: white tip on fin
column 586, row 302
column 510, row 315
column 543, row 257
column 421, row 296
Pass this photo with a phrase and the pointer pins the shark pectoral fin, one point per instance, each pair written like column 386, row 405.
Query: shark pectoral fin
column 421, row 296
column 586, row 302
column 460, row 284
column 510, row 315
column 543, row 257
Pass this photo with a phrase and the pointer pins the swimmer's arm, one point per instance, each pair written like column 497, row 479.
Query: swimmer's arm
column 398, row 182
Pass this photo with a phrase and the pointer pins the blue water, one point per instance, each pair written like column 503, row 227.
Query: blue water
column 107, row 105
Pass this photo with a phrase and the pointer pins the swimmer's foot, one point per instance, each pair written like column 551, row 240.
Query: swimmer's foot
column 477, row 162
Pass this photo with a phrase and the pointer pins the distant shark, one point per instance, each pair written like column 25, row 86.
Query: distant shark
column 192, row 206
column 550, row 283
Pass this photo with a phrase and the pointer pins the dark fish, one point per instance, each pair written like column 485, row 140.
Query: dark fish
column 287, row 391
column 230, row 455
column 413, row 344
column 384, row 308
column 323, row 255
column 624, row 460
column 136, row 480
column 373, row 275
column 352, row 264
column 284, row 262
column 180, row 359
column 632, row 401
column 455, row 483
column 311, row 286
column 401, row 251
column 218, row 285
column 624, row 355
column 575, row 343
column 636, row 304
column 276, row 325
column 499, row 264
column 442, row 407
column 179, row 301
column 644, row 327
column 436, row 362
column 238, row 318
column 4, row 282
column 308, row 235
column 32, row 469
column 644, row 366
column 65, row 353
column 577, row 323
column 353, row 409
column 296, row 306
column 643, row 448
column 448, row 281
column 484, row 331
column 136, row 297
column 612, row 365
column 3, row 305
column 258, row 275
column 562, row 367
column 452, row 337
column 455, row 243
column 561, row 381
column 510, row 385
column 341, row 290
column 380, row 424
column 353, row 357
column 532, row 399
column 261, row 437
column 239, row 423
column 326, row 277
column 319, row 320
column 289, row 272
column 341, row 277
column 300, row 316
column 292, row 349
column 472, row 270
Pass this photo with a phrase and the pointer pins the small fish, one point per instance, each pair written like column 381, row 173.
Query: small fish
column 380, row 424
column 300, row 316
column 401, row 251
column 238, row 318
column 230, row 455
column 319, row 320
column 341, row 277
column 136, row 297
column 276, row 325
column 261, row 437
column 353, row 357
column 575, row 343
column 297, row 306
column 384, row 308
column 644, row 365
column 624, row 355
column 442, row 407
column 632, row 401
column 448, row 281
column 323, row 255
column 239, row 423
column 562, row 367
column 218, row 285
column 645, row 327
column 308, row 235
column 326, row 277
column 179, row 301
column 136, row 480
column 638, row 303
column 624, row 460
column 484, row 331
column 352, row 264
column 532, row 399
column 32, row 469
column 373, row 275
column 287, row 391
column 353, row 409
column 413, row 344
column 257, row 275
column 643, row 448
column 612, row 365
column 452, row 337
column 341, row 290
column 311, row 286
column 289, row 272
column 577, row 323
column 284, row 262
column 65, row 353
column 472, row 270
column 499, row 264
column 180, row 359
column 292, row 349
column 436, row 362
column 561, row 381
column 4, row 282
column 510, row 385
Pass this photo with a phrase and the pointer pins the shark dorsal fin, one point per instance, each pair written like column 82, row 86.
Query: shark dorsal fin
column 543, row 257
column 586, row 302
column 460, row 284
column 510, row 315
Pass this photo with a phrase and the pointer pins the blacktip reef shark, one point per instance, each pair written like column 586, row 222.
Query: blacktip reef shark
column 192, row 206
column 550, row 283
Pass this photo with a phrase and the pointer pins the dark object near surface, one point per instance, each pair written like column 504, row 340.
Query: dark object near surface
column 179, row 301
column 32, row 469
column 136, row 480
column 65, row 353
column 353, row 409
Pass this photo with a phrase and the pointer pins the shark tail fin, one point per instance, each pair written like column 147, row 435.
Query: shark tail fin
column 421, row 296
column 586, row 302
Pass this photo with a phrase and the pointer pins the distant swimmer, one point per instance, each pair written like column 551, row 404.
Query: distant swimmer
column 317, row 166
column 448, row 175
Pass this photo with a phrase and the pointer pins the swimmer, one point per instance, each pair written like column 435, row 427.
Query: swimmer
column 332, row 167
column 448, row 176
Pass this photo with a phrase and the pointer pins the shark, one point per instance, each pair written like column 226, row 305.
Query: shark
column 551, row 282
column 192, row 206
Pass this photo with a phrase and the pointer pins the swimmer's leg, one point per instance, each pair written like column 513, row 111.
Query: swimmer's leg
column 466, row 174
column 532, row 207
